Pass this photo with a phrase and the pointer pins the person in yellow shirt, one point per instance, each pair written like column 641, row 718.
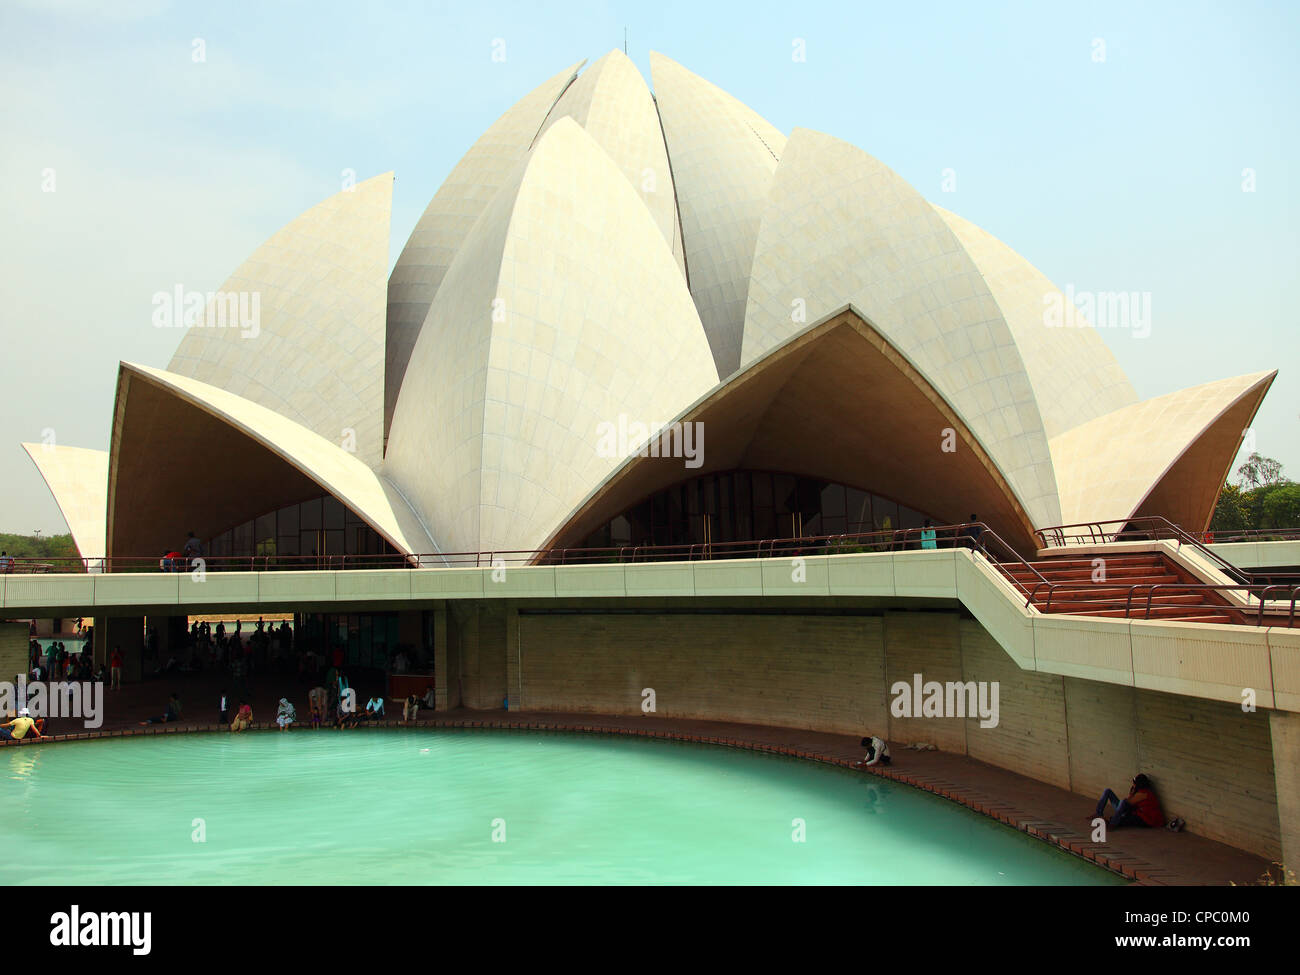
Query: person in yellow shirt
column 19, row 727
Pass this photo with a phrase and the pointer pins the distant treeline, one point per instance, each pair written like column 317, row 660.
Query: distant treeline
column 38, row 546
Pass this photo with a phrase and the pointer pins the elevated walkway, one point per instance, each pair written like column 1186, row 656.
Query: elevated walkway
column 1203, row 656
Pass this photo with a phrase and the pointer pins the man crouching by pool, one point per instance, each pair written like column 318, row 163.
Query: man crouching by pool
column 877, row 753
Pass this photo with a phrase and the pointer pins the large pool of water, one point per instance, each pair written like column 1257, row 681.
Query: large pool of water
column 418, row 807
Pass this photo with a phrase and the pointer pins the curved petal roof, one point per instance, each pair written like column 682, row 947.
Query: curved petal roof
column 723, row 156
column 141, row 463
column 78, row 479
column 839, row 374
column 447, row 220
column 611, row 101
column 841, row 227
column 316, row 351
column 1075, row 376
column 604, row 255
column 563, row 309
column 1116, row 465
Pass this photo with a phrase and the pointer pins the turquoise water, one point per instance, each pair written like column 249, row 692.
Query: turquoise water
column 388, row 807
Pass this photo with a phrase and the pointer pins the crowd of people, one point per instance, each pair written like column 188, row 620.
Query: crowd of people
column 57, row 663
column 329, row 704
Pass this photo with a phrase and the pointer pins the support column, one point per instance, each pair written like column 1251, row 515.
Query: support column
column 15, row 642
column 514, row 678
column 126, row 632
column 171, row 635
column 446, row 659
column 1284, row 726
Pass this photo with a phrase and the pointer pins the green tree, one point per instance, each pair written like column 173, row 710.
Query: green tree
column 1280, row 506
column 1231, row 513
column 1260, row 471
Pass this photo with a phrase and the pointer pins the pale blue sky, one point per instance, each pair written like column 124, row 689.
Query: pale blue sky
column 1119, row 175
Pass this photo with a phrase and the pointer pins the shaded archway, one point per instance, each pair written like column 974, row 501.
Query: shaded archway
column 835, row 402
column 186, row 456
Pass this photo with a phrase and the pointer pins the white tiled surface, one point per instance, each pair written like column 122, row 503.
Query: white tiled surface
column 446, row 222
column 723, row 157
column 318, row 358
column 840, row 227
column 78, row 479
column 1075, row 376
column 611, row 101
column 495, row 433
column 1107, row 466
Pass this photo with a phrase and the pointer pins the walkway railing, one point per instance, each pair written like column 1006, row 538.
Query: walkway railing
column 1254, row 535
column 1079, row 593
column 1146, row 528
column 974, row 535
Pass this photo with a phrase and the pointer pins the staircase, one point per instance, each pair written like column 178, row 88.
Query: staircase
column 1077, row 594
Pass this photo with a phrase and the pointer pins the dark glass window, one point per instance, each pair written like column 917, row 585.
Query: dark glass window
column 886, row 514
column 333, row 514
column 264, row 526
column 858, row 510
column 737, row 506
column 310, row 515
column 242, row 539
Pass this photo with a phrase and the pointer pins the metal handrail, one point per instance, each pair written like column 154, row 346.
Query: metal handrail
column 967, row 534
column 1150, row 588
column 1246, row 534
column 1131, row 529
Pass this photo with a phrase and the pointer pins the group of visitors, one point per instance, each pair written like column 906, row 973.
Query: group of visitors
column 973, row 531
column 57, row 663
column 267, row 649
column 185, row 559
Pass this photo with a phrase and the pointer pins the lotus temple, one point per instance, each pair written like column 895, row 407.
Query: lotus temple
column 809, row 366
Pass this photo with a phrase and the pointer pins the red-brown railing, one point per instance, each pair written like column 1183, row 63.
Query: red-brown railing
column 1146, row 528
column 975, row 535
column 1137, row 590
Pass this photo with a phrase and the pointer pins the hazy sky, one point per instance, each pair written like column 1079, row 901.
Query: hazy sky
column 1117, row 174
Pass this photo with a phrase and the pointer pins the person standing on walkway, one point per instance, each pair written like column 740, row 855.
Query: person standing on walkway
column 927, row 535
column 192, row 550
column 115, row 669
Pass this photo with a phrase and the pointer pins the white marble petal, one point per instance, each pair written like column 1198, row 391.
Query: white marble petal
column 78, row 479
column 316, row 354
column 840, row 227
column 563, row 310
column 723, row 156
column 611, row 101
column 447, row 220
column 1075, row 376
column 1106, row 467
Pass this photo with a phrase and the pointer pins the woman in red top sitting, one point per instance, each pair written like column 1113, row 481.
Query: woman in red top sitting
column 1141, row 808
